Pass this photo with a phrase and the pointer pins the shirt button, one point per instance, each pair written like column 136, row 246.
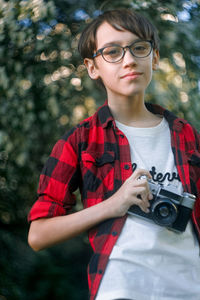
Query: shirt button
column 126, row 167
column 114, row 233
column 100, row 271
column 122, row 136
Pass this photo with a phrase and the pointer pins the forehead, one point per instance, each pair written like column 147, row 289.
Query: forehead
column 106, row 34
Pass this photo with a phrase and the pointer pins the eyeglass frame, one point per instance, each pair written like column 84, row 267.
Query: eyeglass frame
column 100, row 51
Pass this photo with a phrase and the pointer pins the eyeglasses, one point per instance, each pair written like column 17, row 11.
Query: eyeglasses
column 115, row 53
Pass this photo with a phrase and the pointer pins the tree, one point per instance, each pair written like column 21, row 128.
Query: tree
column 44, row 91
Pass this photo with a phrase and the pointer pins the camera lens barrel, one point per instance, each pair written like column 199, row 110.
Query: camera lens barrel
column 164, row 212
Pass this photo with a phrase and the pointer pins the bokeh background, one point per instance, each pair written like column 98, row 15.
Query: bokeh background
column 44, row 91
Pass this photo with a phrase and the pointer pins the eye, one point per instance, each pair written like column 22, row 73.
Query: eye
column 141, row 47
column 112, row 51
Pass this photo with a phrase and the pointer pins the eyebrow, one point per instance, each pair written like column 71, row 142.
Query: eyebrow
column 118, row 43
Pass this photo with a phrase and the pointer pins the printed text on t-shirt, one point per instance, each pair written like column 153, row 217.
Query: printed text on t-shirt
column 158, row 176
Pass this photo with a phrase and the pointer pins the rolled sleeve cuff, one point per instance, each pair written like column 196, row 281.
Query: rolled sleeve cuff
column 44, row 208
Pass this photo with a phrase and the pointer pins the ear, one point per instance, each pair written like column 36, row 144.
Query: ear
column 155, row 62
column 91, row 68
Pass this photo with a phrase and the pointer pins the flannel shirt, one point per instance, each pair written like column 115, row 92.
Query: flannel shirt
column 95, row 157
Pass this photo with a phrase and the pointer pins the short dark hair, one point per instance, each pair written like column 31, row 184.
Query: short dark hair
column 119, row 19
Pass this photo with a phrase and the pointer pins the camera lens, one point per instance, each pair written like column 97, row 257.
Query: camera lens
column 164, row 212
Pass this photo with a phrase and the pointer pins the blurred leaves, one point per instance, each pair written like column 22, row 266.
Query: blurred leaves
column 44, row 90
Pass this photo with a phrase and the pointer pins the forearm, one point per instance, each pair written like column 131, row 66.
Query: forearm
column 47, row 232
column 44, row 233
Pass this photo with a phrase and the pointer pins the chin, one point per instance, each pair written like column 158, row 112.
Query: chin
column 126, row 92
column 134, row 93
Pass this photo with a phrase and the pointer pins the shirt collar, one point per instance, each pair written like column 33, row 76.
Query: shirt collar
column 105, row 115
column 175, row 123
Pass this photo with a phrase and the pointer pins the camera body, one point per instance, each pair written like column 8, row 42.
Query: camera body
column 169, row 207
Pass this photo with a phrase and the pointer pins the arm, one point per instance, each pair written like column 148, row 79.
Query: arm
column 46, row 232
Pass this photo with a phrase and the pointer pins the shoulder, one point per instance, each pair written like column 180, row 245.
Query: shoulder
column 177, row 124
column 191, row 134
column 79, row 134
column 95, row 122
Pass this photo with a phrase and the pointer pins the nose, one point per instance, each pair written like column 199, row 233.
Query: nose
column 128, row 57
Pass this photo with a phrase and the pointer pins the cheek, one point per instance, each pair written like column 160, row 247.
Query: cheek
column 147, row 65
column 107, row 69
column 109, row 76
column 148, row 72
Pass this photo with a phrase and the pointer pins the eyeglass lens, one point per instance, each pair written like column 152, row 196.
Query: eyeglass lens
column 138, row 49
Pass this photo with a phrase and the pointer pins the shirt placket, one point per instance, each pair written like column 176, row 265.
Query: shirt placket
column 125, row 156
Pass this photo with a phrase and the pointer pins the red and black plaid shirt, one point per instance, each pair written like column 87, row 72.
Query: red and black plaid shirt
column 95, row 157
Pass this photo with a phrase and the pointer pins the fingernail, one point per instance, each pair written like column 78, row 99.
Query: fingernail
column 150, row 196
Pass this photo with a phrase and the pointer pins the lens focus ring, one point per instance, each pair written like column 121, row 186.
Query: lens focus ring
column 164, row 212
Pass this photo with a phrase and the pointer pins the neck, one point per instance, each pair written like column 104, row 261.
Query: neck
column 132, row 111
column 128, row 108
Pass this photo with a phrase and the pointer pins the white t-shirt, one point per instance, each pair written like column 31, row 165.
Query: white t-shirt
column 150, row 262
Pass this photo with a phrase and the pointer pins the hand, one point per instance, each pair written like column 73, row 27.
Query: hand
column 134, row 191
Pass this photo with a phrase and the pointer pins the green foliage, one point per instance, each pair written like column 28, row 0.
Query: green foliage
column 44, row 90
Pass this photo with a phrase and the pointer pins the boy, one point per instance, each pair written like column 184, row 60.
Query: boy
column 106, row 156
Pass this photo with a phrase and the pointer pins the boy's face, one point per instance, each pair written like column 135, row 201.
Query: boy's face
column 128, row 77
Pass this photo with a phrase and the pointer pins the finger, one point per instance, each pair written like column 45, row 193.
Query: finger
column 140, row 172
column 141, row 196
column 143, row 183
column 150, row 196
column 144, row 206
column 144, row 197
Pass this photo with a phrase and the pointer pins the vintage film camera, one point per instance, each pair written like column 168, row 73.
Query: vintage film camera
column 169, row 207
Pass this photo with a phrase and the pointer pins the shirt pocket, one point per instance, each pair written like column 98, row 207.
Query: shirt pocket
column 97, row 170
column 97, row 159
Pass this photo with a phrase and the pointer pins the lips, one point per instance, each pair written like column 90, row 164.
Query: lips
column 132, row 75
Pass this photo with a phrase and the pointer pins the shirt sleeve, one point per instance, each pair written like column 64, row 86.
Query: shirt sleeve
column 197, row 136
column 60, row 177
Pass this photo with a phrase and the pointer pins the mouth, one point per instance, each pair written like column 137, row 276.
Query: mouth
column 131, row 75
